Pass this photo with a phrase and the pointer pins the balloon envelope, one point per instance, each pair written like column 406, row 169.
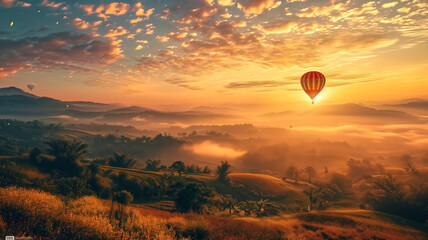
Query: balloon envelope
column 312, row 83
column 31, row 86
column 11, row 23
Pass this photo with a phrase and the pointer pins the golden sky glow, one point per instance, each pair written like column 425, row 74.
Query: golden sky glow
column 245, row 53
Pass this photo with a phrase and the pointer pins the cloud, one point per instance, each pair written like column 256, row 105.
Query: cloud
column 164, row 14
column 139, row 11
column 194, row 11
column 88, row 9
column 136, row 20
column 281, row 28
column 119, row 31
column 177, row 36
column 51, row 4
column 257, row 7
column 315, row 11
column 389, row 5
column 226, row 2
column 23, row 4
column 6, row 3
column 10, row 3
column 116, row 8
column 62, row 50
column 256, row 84
column 150, row 29
column 82, row 24
column 103, row 11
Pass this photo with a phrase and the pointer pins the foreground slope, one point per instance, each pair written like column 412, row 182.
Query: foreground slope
column 42, row 215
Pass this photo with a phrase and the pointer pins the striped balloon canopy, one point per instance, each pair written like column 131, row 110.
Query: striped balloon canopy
column 312, row 82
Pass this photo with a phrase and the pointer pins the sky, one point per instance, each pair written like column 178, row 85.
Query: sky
column 249, row 54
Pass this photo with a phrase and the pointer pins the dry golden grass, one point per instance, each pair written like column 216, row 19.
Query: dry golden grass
column 266, row 185
column 46, row 216
column 43, row 215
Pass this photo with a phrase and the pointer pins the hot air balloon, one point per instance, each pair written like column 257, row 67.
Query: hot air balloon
column 56, row 22
column 11, row 23
column 38, row 11
column 31, row 86
column 312, row 82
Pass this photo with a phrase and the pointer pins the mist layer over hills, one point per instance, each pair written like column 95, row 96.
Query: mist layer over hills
column 319, row 137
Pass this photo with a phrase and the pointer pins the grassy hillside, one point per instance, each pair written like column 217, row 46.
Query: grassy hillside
column 244, row 186
column 42, row 215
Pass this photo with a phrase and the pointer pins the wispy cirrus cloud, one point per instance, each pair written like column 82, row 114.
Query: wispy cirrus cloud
column 256, row 84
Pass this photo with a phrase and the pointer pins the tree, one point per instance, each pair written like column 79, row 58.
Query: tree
column 68, row 155
column 223, row 171
column 206, row 170
column 122, row 160
column 73, row 187
column 192, row 198
column 310, row 171
column 123, row 198
column 34, row 155
column 178, row 166
column 152, row 165
column 400, row 198
column 319, row 197
column 292, row 172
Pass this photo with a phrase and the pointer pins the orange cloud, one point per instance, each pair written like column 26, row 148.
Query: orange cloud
column 226, row 2
column 389, row 5
column 116, row 32
column 136, row 20
column 115, row 8
column 82, row 24
column 257, row 7
column 139, row 11
column 51, row 4
column 150, row 29
column 6, row 3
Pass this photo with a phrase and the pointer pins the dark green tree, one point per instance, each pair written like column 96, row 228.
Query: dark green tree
column 178, row 166
column 68, row 155
column 34, row 155
column 223, row 171
column 122, row 160
column 123, row 198
column 152, row 165
column 192, row 198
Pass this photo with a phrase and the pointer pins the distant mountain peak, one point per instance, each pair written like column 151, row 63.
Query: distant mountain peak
column 10, row 91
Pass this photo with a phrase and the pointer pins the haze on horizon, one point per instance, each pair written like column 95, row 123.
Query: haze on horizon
column 248, row 54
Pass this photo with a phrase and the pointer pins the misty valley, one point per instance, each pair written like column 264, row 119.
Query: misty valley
column 92, row 171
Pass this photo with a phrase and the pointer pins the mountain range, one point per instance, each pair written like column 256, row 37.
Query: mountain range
column 18, row 104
